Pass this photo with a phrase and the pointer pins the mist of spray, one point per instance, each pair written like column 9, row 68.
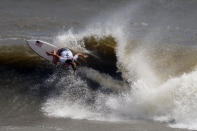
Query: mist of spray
column 148, row 96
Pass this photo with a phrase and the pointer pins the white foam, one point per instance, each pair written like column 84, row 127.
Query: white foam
column 149, row 96
column 175, row 100
column 60, row 107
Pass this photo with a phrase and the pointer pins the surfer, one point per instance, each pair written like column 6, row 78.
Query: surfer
column 65, row 57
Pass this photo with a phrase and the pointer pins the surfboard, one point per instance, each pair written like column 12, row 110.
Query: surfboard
column 41, row 47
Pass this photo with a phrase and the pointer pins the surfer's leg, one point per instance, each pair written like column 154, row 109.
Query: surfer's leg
column 59, row 51
column 55, row 55
column 55, row 58
column 82, row 55
column 74, row 66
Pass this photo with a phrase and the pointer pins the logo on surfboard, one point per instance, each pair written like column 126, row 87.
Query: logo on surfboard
column 39, row 44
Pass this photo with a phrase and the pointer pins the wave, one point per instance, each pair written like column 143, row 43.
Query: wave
column 18, row 54
column 130, row 73
column 102, row 56
column 160, row 60
column 151, row 74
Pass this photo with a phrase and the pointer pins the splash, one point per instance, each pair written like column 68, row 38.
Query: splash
column 159, row 77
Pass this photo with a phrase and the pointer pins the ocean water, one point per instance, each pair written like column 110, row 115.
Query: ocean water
column 141, row 73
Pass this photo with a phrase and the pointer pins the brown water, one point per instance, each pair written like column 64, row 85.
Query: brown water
column 140, row 74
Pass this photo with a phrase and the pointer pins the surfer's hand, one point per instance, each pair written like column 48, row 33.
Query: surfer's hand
column 48, row 53
column 85, row 56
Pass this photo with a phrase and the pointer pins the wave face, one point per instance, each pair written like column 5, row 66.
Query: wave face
column 158, row 83
column 142, row 65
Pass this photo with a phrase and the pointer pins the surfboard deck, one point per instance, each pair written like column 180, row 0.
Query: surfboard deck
column 41, row 47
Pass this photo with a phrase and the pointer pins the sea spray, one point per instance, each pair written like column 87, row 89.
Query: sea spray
column 159, row 75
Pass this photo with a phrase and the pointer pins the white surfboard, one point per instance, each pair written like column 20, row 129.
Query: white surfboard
column 41, row 47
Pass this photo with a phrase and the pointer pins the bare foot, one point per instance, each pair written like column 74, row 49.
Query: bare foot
column 53, row 52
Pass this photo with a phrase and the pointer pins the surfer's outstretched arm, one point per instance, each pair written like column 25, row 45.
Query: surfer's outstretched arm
column 82, row 55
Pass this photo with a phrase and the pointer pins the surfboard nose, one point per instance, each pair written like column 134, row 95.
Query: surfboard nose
column 30, row 42
column 26, row 41
column 41, row 47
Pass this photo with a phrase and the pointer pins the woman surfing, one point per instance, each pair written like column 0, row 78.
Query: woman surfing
column 65, row 57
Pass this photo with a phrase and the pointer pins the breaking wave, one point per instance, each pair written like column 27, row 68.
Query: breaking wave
column 127, row 75
column 157, row 83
